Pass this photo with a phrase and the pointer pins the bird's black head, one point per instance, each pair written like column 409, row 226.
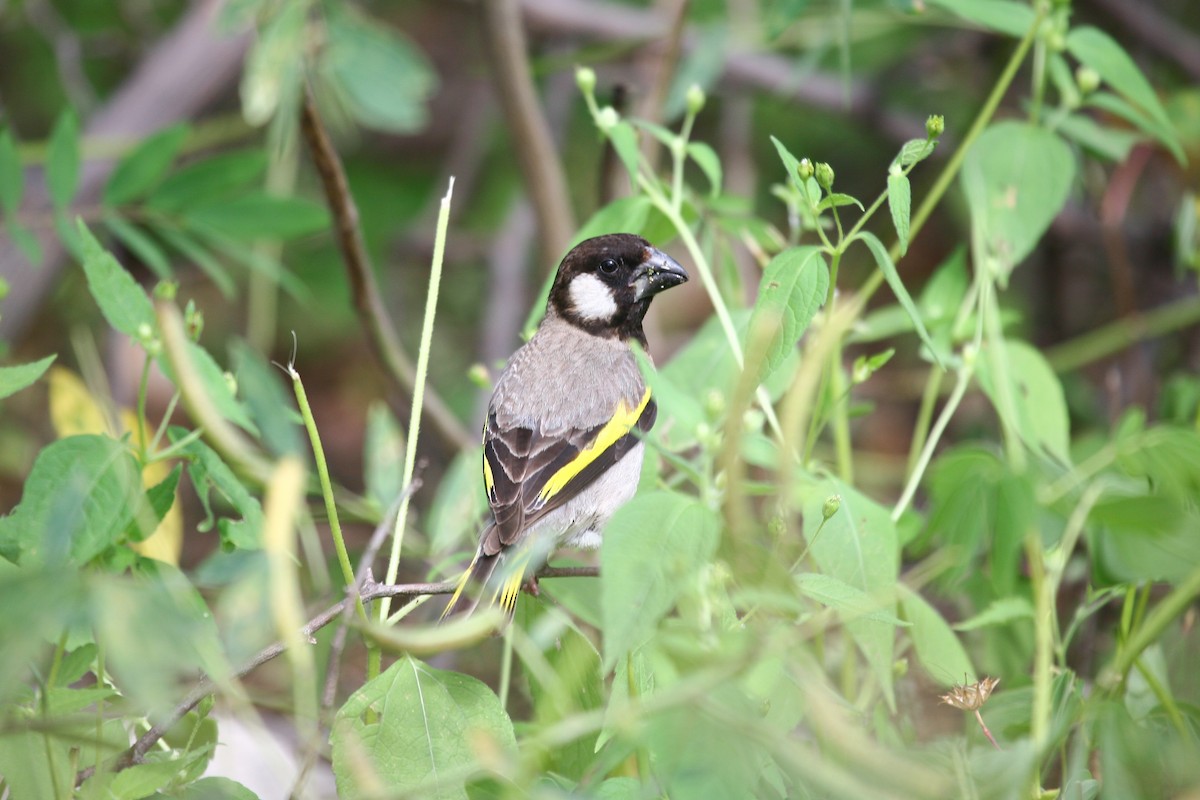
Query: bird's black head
column 604, row 285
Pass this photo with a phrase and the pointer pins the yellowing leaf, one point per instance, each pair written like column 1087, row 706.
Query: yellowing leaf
column 73, row 410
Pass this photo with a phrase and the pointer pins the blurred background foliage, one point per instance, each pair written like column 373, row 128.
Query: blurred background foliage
column 173, row 130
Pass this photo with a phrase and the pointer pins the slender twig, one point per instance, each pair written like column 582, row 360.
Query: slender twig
column 381, row 334
column 369, row 591
column 529, row 132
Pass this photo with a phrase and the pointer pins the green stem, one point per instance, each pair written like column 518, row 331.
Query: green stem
column 1151, row 629
column 1123, row 333
column 335, row 526
column 143, row 446
column 414, row 424
column 1043, row 626
column 506, row 659
column 933, row 389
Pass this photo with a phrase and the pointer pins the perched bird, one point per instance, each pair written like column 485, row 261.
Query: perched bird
column 562, row 445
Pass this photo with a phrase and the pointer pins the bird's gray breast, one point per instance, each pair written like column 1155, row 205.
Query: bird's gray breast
column 565, row 378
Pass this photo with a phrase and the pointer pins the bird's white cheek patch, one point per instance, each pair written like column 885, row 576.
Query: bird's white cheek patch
column 591, row 299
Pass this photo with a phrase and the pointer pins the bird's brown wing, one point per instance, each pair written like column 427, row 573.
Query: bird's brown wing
column 529, row 474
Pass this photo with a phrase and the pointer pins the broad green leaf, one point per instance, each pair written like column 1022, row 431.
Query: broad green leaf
column 1111, row 143
column 1016, row 178
column 12, row 176
column 423, row 741
column 858, row 546
column 213, row 789
column 207, row 470
column 1004, row 16
column 850, row 601
column 157, row 632
column 80, row 496
column 1166, row 458
column 624, row 141
column 274, row 66
column 1119, row 106
column 899, row 195
column 122, row 301
column 794, row 285
column 1036, row 394
column 1148, row 538
column 139, row 171
column 208, row 181
column 979, row 508
column 261, row 216
column 708, row 161
column 269, row 401
column 158, row 501
column 62, row 161
column 1001, row 611
column 914, row 151
column 383, row 459
column 358, row 52
column 837, row 200
column 938, row 648
column 35, row 765
column 39, row 604
column 1096, row 49
column 14, row 379
column 652, row 546
column 138, row 243
column 197, row 253
column 457, row 512
column 215, row 383
column 141, row 780
column 892, row 276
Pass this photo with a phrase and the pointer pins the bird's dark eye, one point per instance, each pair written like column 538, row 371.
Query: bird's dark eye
column 608, row 266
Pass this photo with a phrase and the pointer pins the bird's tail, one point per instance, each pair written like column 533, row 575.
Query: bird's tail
column 495, row 580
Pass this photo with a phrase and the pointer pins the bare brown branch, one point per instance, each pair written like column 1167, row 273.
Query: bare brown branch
column 397, row 366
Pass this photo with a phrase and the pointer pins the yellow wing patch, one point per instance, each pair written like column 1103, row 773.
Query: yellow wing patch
column 621, row 423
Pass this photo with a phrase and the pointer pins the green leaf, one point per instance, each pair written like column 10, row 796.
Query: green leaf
column 62, row 161
column 1144, row 538
column 274, row 68
column 215, row 384
column 457, row 512
column 1113, row 144
column 1004, row 16
column 1096, row 49
column 209, row 181
column 938, row 648
column 214, row 789
column 851, row 602
column 12, row 176
column 208, row 471
column 383, row 463
column 884, row 261
column 858, row 546
column 198, row 254
column 1119, row 106
column 794, row 285
column 157, row 633
column 1016, row 178
column 838, row 199
column 141, row 245
column 1166, row 458
column 1001, row 611
column 980, row 507
column 624, row 141
column 423, row 741
column 708, row 161
column 914, row 151
column 1037, row 394
column 357, row 53
column 36, row 765
column 144, row 779
column 271, row 406
column 14, row 379
column 261, row 216
column 899, row 195
column 80, row 496
column 144, row 166
column 652, row 546
column 121, row 300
